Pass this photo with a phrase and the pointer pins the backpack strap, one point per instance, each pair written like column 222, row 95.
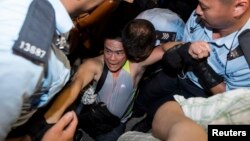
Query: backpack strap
column 102, row 79
column 99, row 85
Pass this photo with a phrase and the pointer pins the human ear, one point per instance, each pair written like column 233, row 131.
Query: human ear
column 240, row 8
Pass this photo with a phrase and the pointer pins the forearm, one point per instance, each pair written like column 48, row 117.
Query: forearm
column 163, row 121
column 106, row 7
column 179, row 57
column 170, row 124
column 186, row 129
column 220, row 88
column 62, row 102
column 208, row 78
column 168, row 45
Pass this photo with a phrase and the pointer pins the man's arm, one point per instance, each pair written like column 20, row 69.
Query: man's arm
column 157, row 53
column 63, row 101
column 63, row 130
column 205, row 73
column 170, row 124
column 87, row 72
column 99, row 12
column 195, row 55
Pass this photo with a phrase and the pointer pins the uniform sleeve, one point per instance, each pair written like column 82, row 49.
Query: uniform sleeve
column 19, row 79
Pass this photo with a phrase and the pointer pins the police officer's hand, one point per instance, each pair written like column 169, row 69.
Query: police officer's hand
column 63, row 130
column 199, row 50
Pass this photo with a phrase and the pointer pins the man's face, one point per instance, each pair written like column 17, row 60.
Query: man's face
column 114, row 54
column 215, row 14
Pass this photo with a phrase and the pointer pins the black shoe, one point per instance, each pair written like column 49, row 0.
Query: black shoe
column 143, row 126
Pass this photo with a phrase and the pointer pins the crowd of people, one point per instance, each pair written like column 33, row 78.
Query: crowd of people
column 157, row 65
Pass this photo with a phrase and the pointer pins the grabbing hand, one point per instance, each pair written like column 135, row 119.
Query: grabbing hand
column 199, row 50
column 63, row 130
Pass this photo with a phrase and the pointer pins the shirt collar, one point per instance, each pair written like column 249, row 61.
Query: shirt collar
column 228, row 41
column 63, row 21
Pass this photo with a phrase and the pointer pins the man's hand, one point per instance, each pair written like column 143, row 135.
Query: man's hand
column 193, row 55
column 199, row 50
column 63, row 130
column 186, row 54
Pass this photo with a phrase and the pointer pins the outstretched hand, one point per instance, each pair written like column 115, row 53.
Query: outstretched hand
column 63, row 130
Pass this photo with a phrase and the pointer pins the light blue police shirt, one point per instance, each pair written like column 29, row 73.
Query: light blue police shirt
column 236, row 72
column 26, row 86
column 164, row 20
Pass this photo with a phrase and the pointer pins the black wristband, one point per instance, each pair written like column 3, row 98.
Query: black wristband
column 186, row 57
column 207, row 77
column 178, row 56
column 172, row 58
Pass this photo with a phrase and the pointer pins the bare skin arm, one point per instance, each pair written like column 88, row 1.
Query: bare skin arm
column 220, row 88
column 77, row 7
column 63, row 130
column 154, row 57
column 168, row 45
column 87, row 72
column 65, row 98
column 170, row 124
column 157, row 53
column 103, row 9
column 87, row 19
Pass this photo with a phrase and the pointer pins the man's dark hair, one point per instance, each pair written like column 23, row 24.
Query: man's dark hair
column 113, row 31
column 138, row 39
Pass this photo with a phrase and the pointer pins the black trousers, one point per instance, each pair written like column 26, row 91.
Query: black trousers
column 160, row 88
